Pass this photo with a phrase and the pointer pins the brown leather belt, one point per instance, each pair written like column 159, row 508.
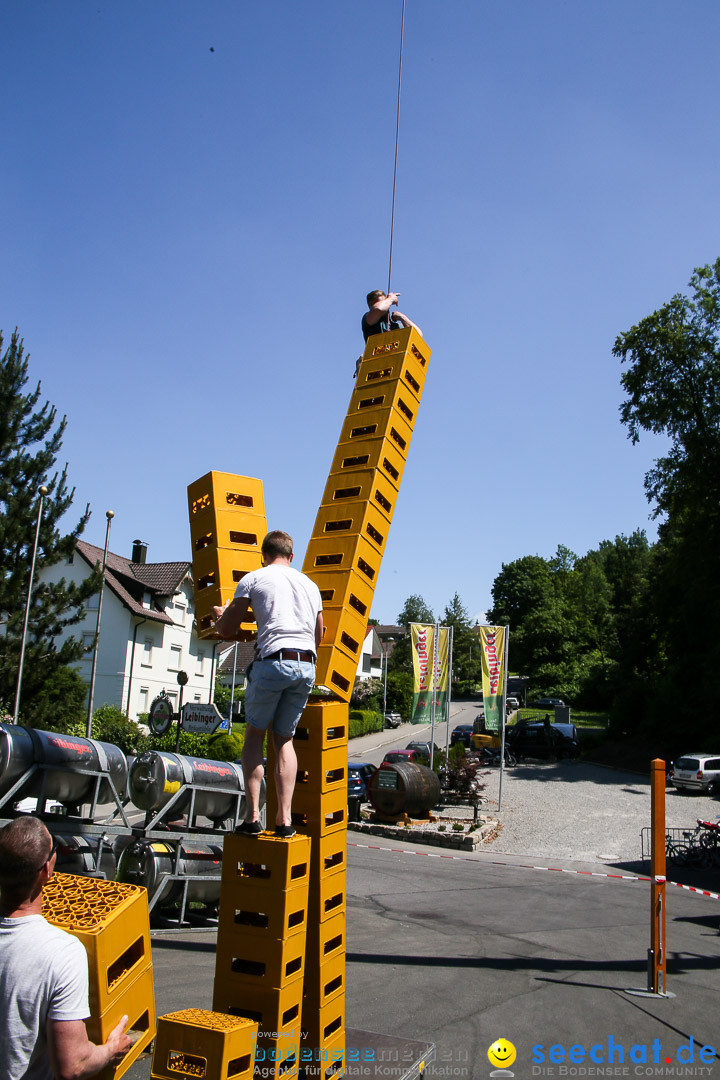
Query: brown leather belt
column 291, row 654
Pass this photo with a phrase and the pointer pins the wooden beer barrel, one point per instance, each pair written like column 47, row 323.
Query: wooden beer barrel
column 403, row 787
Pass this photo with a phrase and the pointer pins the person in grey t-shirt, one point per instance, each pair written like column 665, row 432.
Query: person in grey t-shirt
column 288, row 610
column 43, row 972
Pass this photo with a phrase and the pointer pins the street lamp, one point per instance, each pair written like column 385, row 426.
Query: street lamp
column 109, row 514
column 385, row 657
column 182, row 681
column 43, row 492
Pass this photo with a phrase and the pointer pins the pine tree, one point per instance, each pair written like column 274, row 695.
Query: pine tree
column 30, row 441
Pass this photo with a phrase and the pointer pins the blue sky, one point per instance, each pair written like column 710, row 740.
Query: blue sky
column 188, row 236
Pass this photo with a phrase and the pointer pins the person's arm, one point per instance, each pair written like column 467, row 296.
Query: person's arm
column 74, row 1057
column 228, row 619
column 319, row 629
column 405, row 321
column 380, row 308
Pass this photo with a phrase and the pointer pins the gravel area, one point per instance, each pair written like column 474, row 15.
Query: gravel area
column 574, row 810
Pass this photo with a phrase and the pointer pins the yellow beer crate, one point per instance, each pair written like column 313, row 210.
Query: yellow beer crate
column 268, row 915
column 335, row 670
column 355, row 518
column 113, row 923
column 333, row 554
column 218, row 491
column 322, row 1024
column 380, row 453
column 265, row 964
column 345, row 631
column 322, row 770
column 328, row 897
column 347, row 589
column 265, row 863
column 329, row 855
column 319, row 814
column 323, row 724
column 209, row 1045
column 387, row 395
column 366, row 486
column 137, row 1002
column 326, row 1062
column 273, row 1009
column 327, row 981
column 325, row 940
column 386, row 423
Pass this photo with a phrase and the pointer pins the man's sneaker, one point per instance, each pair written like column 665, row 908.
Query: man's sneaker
column 249, row 828
column 284, row 831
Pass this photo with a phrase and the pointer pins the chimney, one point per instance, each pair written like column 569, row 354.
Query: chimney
column 139, row 552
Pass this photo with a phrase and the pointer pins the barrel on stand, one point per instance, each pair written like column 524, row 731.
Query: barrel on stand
column 404, row 788
column 158, row 777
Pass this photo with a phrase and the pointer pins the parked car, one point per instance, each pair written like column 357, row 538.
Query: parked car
column 392, row 719
column 461, row 734
column 394, row 757
column 422, row 748
column 512, row 703
column 697, row 772
column 538, row 739
column 359, row 773
column 550, row 703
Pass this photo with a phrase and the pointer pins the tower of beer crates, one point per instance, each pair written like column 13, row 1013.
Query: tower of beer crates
column 227, row 526
column 343, row 558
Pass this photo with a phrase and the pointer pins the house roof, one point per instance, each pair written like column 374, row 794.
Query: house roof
column 245, row 653
column 390, row 630
column 130, row 581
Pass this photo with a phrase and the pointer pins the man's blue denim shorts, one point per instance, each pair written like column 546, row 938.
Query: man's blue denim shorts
column 277, row 692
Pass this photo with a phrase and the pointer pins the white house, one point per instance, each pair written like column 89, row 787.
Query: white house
column 147, row 632
column 370, row 663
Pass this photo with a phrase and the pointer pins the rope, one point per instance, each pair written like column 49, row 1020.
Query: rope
column 397, row 140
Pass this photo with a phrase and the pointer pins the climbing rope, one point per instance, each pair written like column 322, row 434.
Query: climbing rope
column 397, row 140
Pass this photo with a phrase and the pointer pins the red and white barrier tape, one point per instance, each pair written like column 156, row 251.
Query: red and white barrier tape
column 530, row 866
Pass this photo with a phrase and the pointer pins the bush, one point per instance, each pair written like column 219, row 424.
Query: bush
column 363, row 721
column 61, row 704
column 226, row 745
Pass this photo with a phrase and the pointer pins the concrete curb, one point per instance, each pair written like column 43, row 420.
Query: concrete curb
column 460, row 842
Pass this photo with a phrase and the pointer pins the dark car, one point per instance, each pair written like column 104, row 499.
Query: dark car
column 392, row 719
column 550, row 703
column 359, row 773
column 541, row 739
column 461, row 734
column 422, row 748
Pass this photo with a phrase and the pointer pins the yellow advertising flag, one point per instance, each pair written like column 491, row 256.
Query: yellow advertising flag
column 430, row 672
column 492, row 641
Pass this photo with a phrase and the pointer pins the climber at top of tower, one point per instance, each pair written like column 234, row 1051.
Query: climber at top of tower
column 379, row 319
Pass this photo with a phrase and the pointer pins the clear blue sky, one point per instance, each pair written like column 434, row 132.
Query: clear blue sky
column 188, row 236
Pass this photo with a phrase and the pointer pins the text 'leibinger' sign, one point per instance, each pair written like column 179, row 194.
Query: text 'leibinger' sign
column 202, row 719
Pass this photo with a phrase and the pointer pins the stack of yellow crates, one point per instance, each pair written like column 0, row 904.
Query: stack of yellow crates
column 227, row 526
column 261, row 942
column 113, row 923
column 207, row 1045
column 351, row 528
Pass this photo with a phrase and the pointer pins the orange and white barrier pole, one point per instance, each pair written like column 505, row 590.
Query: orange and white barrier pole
column 657, row 969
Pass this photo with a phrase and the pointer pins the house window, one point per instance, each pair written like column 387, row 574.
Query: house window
column 175, row 662
column 172, row 694
column 143, row 703
column 367, row 666
column 70, row 559
column 88, row 641
column 147, row 653
column 180, row 611
column 146, row 601
column 92, row 602
column 198, row 698
column 201, row 657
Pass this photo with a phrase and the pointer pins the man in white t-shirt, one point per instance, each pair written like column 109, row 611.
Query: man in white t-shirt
column 288, row 610
column 43, row 972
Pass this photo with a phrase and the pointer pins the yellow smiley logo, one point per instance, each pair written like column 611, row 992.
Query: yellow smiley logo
column 502, row 1053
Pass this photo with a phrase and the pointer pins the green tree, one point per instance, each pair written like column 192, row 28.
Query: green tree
column 466, row 666
column 415, row 610
column 30, row 441
column 672, row 382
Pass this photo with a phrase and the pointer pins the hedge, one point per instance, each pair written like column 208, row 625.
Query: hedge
column 363, row 721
